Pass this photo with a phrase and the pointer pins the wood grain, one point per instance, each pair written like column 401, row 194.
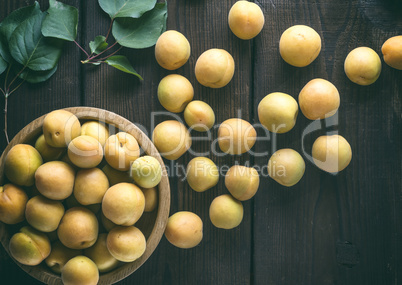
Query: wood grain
column 343, row 229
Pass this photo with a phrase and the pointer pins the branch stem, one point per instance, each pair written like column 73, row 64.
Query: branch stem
column 5, row 80
column 78, row 45
column 15, row 78
column 95, row 56
column 6, row 94
column 106, row 57
column 5, row 117
column 16, row 88
column 109, row 30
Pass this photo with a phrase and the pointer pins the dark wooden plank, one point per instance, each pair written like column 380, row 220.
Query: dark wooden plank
column 342, row 229
column 33, row 100
column 223, row 257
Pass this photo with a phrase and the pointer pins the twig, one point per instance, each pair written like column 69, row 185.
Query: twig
column 16, row 88
column 5, row 80
column 81, row 48
column 108, row 31
column 106, row 57
column 15, row 78
column 95, row 56
column 5, row 118
column 6, row 95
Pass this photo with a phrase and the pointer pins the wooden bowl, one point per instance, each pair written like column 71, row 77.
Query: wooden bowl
column 151, row 224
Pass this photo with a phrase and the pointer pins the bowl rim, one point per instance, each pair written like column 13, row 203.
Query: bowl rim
column 33, row 129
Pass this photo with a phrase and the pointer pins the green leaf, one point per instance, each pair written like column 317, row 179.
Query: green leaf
column 61, row 21
column 98, row 45
column 121, row 63
column 3, row 64
column 10, row 23
column 164, row 21
column 33, row 76
column 142, row 32
column 29, row 48
column 126, row 8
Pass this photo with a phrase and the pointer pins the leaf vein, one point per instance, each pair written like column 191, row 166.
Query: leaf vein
column 33, row 51
column 118, row 11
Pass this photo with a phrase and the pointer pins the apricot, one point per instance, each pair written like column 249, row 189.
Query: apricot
column 96, row 130
column 90, row 186
column 199, row 116
column 55, row 180
column 44, row 214
column 214, row 68
column 29, row 246
column 151, row 198
column 331, row 153
column 21, row 163
column 78, row 228
column 60, row 127
column 172, row 50
column 121, row 150
column 172, row 139
column 278, row 112
column 246, row 19
column 392, row 52
column 99, row 254
column 286, row 166
column 80, row 270
column 226, row 212
column 319, row 99
column 48, row 152
column 59, row 256
column 299, row 45
column 123, row 204
column 202, row 174
column 236, row 136
column 242, row 182
column 126, row 244
column 175, row 92
column 146, row 171
column 184, row 229
column 85, row 152
column 363, row 66
column 13, row 200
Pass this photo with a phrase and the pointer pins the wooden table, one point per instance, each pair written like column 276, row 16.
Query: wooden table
column 342, row 229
